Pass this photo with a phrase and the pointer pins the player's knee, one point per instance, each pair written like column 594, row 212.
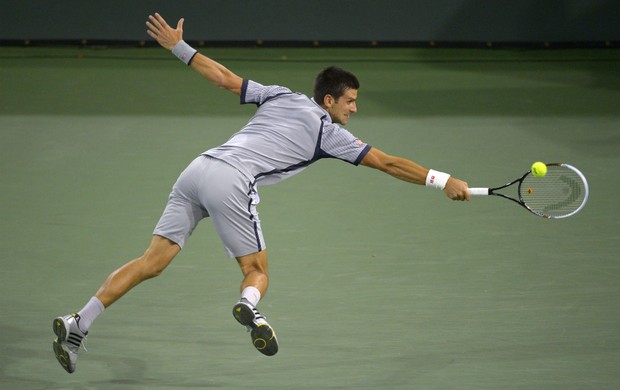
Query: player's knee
column 157, row 257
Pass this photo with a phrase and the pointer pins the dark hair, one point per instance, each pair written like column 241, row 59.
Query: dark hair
column 333, row 81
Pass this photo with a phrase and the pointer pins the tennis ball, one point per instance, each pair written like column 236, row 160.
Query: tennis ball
column 539, row 169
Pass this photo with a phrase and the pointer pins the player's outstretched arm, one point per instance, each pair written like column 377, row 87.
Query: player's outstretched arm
column 172, row 39
column 409, row 171
column 398, row 167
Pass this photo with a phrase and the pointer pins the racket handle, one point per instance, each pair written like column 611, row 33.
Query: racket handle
column 479, row 191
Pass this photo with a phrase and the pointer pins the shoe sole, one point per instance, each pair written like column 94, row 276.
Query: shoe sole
column 243, row 314
column 264, row 340
column 263, row 336
column 62, row 356
column 58, row 326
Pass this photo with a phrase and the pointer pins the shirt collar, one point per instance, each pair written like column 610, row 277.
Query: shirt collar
column 328, row 117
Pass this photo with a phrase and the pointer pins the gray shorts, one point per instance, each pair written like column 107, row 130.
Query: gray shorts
column 209, row 187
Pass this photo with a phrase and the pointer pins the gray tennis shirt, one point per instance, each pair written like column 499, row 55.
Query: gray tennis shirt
column 288, row 132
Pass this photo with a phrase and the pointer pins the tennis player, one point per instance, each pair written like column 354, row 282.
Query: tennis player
column 288, row 132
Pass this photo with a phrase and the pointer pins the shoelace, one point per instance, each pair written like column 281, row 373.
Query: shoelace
column 75, row 342
column 257, row 314
column 258, row 318
column 83, row 345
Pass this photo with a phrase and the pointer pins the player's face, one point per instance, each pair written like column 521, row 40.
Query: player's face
column 340, row 110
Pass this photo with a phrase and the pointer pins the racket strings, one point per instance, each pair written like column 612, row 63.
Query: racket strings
column 560, row 192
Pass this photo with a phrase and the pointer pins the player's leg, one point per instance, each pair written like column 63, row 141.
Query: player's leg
column 255, row 270
column 71, row 329
column 253, row 287
column 232, row 202
column 177, row 222
column 152, row 263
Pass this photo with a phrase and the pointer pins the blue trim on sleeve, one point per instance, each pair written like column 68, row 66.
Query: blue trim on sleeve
column 244, row 88
column 359, row 158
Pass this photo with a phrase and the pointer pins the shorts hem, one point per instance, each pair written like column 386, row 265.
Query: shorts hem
column 180, row 243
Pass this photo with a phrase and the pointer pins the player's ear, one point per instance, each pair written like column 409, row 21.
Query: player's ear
column 328, row 100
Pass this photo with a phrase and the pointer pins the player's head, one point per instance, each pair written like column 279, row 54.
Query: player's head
column 335, row 89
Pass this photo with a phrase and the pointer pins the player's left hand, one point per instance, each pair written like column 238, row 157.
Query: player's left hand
column 457, row 189
column 165, row 35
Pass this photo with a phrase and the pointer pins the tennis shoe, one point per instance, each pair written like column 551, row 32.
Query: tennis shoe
column 69, row 338
column 262, row 334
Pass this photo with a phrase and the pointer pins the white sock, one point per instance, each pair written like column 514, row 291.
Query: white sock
column 89, row 313
column 251, row 294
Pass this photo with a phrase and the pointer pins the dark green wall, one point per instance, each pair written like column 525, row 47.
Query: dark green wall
column 321, row 20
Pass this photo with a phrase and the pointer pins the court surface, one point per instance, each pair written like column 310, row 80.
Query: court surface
column 375, row 283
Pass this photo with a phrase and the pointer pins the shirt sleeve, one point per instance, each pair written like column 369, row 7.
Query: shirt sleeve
column 253, row 92
column 339, row 143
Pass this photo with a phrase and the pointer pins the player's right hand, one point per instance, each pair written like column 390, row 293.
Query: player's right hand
column 457, row 189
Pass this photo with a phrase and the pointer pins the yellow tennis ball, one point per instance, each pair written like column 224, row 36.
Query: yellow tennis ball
column 539, row 169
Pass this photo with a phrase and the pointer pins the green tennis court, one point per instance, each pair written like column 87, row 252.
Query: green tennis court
column 375, row 283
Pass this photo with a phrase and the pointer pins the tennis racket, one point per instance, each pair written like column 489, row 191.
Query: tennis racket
column 562, row 192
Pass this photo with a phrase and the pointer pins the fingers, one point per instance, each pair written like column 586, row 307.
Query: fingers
column 165, row 35
column 157, row 24
column 460, row 197
column 154, row 26
column 160, row 20
column 466, row 195
column 152, row 31
column 457, row 190
column 463, row 193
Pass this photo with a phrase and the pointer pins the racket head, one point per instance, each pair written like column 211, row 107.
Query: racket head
column 562, row 192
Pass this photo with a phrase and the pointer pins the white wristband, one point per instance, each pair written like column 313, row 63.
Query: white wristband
column 184, row 52
column 437, row 179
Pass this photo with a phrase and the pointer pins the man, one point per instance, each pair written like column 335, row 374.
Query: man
column 288, row 132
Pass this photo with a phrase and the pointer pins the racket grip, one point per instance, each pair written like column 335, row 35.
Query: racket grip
column 479, row 191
